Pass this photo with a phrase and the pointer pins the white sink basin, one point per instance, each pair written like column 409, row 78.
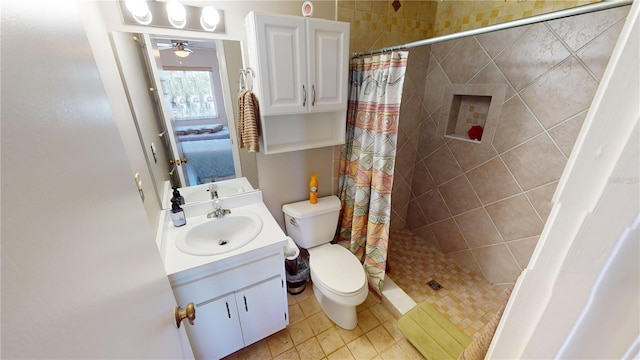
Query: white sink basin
column 199, row 193
column 204, row 236
column 196, row 194
column 225, row 190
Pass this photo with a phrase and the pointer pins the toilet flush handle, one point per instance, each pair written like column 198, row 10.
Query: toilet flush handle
column 293, row 222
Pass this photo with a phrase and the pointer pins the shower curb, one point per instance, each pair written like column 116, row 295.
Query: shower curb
column 395, row 299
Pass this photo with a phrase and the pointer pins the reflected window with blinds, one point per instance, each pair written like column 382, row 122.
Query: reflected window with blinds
column 189, row 94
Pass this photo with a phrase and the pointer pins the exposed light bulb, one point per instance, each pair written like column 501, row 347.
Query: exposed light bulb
column 210, row 18
column 177, row 14
column 140, row 11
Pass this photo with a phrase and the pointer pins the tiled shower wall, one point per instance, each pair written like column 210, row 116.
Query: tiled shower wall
column 459, row 15
column 375, row 24
column 486, row 206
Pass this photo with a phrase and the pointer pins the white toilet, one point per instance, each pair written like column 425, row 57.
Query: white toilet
column 339, row 280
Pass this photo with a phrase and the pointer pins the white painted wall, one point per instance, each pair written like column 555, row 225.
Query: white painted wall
column 575, row 275
column 105, row 58
column 133, row 77
column 233, row 59
column 284, row 178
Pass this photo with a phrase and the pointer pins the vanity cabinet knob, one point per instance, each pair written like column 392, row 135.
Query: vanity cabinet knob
column 188, row 313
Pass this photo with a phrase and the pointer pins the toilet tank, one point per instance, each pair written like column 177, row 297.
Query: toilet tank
column 311, row 225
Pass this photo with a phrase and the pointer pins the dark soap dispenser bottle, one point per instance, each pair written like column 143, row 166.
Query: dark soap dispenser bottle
column 176, row 196
column 177, row 214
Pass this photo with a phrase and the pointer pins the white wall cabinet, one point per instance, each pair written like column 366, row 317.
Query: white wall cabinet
column 301, row 80
column 236, row 307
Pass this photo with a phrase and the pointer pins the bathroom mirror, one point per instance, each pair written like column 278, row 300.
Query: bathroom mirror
column 181, row 92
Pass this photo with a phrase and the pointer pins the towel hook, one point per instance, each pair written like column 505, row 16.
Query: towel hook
column 253, row 77
column 243, row 82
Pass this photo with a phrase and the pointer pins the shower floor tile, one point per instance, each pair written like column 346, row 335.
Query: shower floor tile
column 466, row 298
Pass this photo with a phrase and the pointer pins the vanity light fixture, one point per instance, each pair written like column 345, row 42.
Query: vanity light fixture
column 181, row 50
column 172, row 14
column 176, row 14
column 139, row 11
column 210, row 18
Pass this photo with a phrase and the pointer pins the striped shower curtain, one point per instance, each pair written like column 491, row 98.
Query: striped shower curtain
column 368, row 158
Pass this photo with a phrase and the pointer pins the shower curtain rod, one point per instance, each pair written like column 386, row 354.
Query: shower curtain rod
column 603, row 5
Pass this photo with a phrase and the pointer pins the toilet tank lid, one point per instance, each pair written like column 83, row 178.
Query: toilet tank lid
column 303, row 209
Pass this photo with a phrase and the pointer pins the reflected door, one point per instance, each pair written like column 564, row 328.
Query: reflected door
column 177, row 158
column 133, row 71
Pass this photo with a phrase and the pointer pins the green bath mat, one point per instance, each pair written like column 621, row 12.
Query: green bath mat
column 432, row 333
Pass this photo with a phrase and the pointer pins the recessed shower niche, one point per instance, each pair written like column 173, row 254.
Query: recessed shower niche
column 470, row 112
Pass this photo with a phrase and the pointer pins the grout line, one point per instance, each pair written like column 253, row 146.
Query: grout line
column 514, row 258
column 535, row 210
column 566, row 158
column 512, row 175
column 527, row 27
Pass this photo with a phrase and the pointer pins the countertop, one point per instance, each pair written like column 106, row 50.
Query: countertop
column 181, row 267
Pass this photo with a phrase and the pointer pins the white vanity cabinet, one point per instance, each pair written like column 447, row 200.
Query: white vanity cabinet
column 216, row 331
column 236, row 305
column 301, row 67
column 260, row 309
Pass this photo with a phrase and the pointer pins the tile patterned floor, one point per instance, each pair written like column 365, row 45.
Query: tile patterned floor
column 312, row 336
column 467, row 299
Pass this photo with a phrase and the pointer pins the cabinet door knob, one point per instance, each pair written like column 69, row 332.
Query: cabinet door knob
column 304, row 96
column 188, row 313
column 246, row 308
column 313, row 95
column 228, row 312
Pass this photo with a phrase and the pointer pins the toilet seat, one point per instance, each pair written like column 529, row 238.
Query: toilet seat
column 337, row 269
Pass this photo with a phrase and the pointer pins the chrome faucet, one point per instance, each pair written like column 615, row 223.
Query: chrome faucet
column 213, row 189
column 218, row 211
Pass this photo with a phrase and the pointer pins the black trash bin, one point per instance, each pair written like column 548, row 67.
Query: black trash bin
column 297, row 275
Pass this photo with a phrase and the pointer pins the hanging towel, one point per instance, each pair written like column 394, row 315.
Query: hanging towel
column 249, row 120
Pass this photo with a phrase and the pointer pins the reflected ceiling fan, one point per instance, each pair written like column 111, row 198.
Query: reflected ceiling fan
column 183, row 48
column 180, row 47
